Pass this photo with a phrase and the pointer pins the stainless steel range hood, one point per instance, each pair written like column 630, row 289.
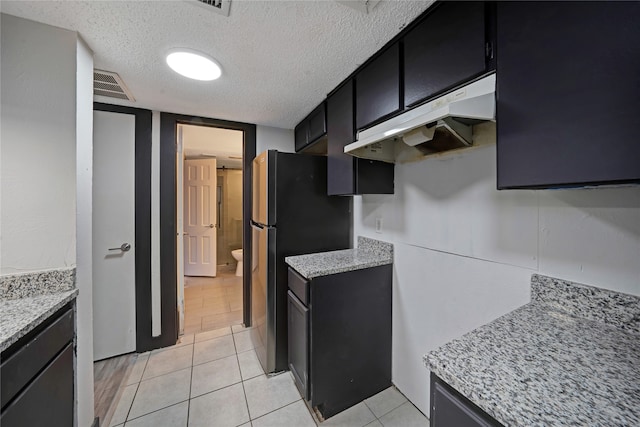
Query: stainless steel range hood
column 439, row 125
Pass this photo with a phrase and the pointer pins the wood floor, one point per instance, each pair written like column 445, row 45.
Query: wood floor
column 212, row 302
column 108, row 377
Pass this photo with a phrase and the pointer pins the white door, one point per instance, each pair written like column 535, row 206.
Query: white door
column 114, row 302
column 200, row 220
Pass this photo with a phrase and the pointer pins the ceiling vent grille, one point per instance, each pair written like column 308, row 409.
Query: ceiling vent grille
column 219, row 6
column 106, row 83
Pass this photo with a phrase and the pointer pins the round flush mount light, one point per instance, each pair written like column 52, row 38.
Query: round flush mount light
column 194, row 65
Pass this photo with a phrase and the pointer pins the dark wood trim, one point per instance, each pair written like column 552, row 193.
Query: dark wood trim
column 168, row 230
column 144, row 340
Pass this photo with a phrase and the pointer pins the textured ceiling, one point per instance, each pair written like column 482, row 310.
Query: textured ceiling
column 279, row 58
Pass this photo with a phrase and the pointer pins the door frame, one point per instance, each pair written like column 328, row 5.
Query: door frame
column 144, row 339
column 168, row 224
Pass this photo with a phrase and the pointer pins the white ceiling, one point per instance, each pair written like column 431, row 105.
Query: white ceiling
column 279, row 58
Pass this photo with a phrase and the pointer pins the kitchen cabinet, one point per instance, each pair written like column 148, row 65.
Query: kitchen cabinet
column 447, row 48
column 348, row 175
column 378, row 88
column 450, row 408
column 37, row 375
column 309, row 132
column 567, row 93
column 340, row 336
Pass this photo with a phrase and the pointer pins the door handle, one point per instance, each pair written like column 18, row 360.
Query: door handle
column 125, row 247
column 211, row 226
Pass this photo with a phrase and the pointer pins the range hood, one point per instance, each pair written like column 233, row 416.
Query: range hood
column 439, row 125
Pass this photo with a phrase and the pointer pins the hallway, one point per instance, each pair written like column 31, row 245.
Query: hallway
column 212, row 302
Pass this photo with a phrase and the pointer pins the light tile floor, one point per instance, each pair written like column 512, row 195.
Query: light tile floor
column 214, row 378
column 212, row 302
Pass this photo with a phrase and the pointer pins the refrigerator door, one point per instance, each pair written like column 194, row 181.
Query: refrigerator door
column 263, row 205
column 263, row 301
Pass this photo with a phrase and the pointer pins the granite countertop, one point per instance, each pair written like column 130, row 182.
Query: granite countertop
column 369, row 253
column 570, row 357
column 26, row 300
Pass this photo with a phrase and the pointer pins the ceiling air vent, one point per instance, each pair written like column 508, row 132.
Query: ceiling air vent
column 218, row 6
column 106, row 83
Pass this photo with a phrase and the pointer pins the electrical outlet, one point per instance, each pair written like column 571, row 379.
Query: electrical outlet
column 379, row 224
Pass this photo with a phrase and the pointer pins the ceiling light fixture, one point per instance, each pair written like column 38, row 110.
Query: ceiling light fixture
column 194, row 65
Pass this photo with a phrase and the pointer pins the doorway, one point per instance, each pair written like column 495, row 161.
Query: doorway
column 209, row 213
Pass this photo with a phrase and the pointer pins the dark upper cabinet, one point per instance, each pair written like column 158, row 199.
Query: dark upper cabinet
column 447, row 48
column 378, row 88
column 309, row 132
column 348, row 175
column 567, row 93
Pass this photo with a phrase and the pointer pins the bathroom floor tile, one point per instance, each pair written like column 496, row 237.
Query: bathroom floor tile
column 135, row 375
column 160, row 392
column 222, row 408
column 295, row 414
column 173, row 416
column 266, row 394
column 215, row 375
column 216, row 333
column 213, row 349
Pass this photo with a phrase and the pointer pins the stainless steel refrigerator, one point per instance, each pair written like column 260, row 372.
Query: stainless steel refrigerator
column 292, row 215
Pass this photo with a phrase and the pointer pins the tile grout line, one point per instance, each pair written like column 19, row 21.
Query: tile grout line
column 193, row 352
column 244, row 391
column 126, row 418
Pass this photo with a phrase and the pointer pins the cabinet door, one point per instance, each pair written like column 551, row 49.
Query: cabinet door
column 567, row 93
column 298, row 332
column 340, row 166
column 348, row 175
column 317, row 123
column 301, row 135
column 48, row 400
column 446, row 49
column 378, row 88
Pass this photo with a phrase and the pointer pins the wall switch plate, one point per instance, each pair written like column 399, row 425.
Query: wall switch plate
column 379, row 224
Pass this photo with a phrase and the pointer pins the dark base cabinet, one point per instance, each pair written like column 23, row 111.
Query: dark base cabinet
column 340, row 336
column 37, row 376
column 451, row 409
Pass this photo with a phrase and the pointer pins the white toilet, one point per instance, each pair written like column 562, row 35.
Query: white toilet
column 237, row 254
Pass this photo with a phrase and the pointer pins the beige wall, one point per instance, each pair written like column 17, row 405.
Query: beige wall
column 230, row 230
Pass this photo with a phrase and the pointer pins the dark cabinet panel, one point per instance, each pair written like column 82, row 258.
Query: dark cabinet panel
column 450, row 408
column 309, row 132
column 567, row 93
column 317, row 123
column 48, row 400
column 446, row 49
column 299, row 343
column 378, row 88
column 331, row 339
column 348, row 175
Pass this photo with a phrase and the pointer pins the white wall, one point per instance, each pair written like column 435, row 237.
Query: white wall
column 38, row 170
column 465, row 252
column 270, row 138
column 84, row 271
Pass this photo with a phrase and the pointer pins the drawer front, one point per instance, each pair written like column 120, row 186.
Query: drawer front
column 20, row 368
column 48, row 400
column 299, row 286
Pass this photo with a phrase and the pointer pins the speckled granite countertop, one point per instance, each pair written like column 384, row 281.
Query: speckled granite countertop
column 28, row 299
column 571, row 357
column 369, row 253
